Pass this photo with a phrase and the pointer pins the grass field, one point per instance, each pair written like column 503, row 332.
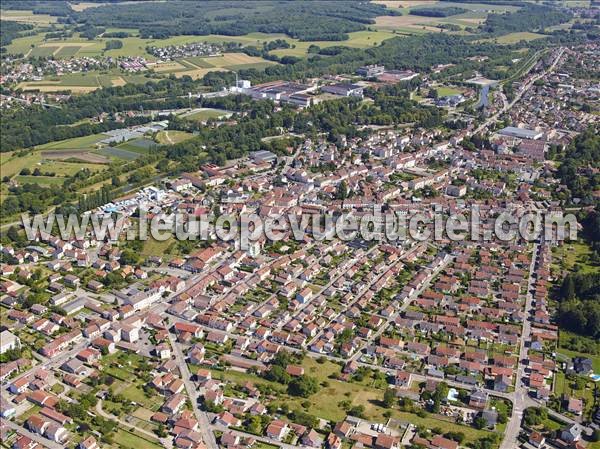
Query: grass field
column 358, row 39
column 82, row 82
column 79, row 143
column 205, row 114
column 447, row 91
column 562, row 385
column 12, row 163
column 407, row 23
column 26, row 16
column 513, row 38
column 172, row 137
column 357, row 394
column 65, row 158
column 132, row 46
column 153, row 247
column 136, row 46
column 23, row 45
column 41, row 180
column 566, row 256
column 128, row 440
column 118, row 153
column 594, row 358
column 12, row 166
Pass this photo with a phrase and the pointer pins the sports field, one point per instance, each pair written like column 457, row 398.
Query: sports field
column 446, row 91
column 205, row 114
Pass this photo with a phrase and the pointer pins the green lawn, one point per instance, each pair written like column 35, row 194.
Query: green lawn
column 126, row 440
column 30, row 411
column 446, row 91
column 136, row 394
column 594, row 358
column 154, row 247
column 41, row 180
column 569, row 388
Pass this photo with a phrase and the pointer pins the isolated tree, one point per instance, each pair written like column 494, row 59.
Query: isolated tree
column 389, row 398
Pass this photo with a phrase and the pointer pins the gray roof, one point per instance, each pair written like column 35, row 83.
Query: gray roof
column 520, row 132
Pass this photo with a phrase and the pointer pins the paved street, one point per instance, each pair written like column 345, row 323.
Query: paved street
column 192, row 391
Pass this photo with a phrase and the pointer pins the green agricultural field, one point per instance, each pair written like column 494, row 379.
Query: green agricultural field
column 77, row 143
column 131, row 147
column 66, row 52
column 513, row 38
column 43, row 52
column 83, row 82
column 23, row 45
column 197, row 62
column 11, row 165
column 27, row 16
column 118, row 153
column 358, row 39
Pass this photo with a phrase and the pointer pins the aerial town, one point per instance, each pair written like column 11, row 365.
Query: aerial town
column 313, row 342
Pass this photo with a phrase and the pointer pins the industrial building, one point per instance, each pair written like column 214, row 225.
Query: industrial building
column 369, row 71
column 344, row 90
column 521, row 133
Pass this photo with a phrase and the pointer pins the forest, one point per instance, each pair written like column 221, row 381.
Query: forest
column 11, row 30
column 579, row 309
column 52, row 7
column 23, row 128
column 437, row 12
column 529, row 18
column 580, row 164
column 331, row 21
